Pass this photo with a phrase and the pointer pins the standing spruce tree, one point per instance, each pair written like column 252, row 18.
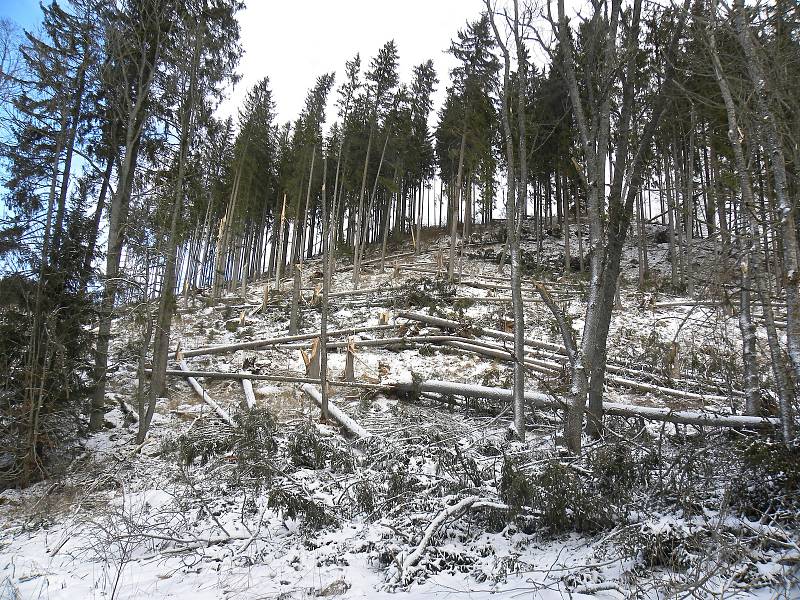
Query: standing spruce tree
column 42, row 300
column 421, row 161
column 472, row 81
column 207, row 31
column 382, row 79
column 253, row 187
column 137, row 33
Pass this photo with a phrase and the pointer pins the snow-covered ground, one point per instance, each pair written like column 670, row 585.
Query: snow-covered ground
column 282, row 506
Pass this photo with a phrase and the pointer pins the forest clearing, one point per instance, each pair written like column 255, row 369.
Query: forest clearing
column 537, row 337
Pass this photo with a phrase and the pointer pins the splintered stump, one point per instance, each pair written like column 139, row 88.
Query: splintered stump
column 249, row 394
column 312, row 360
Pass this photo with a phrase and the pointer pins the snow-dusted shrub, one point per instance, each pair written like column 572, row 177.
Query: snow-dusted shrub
column 666, row 544
column 687, row 473
column 399, row 484
column 568, row 500
column 462, row 470
column 516, row 489
column 364, row 497
column 769, row 480
column 306, row 448
column 254, row 445
column 655, row 351
column 426, row 292
column 566, row 497
column 617, row 470
column 298, row 506
column 204, row 441
column 251, row 443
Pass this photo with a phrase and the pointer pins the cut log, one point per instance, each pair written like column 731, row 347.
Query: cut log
column 338, row 415
column 255, row 344
column 223, row 414
column 249, row 394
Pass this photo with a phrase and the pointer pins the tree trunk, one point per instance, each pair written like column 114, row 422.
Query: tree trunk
column 513, row 221
column 456, row 202
column 326, row 284
column 166, row 307
column 774, row 147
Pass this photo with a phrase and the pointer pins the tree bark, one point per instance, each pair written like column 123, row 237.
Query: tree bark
column 774, row 147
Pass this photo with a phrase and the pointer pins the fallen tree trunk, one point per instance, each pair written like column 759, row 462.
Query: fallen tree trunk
column 255, row 344
column 493, row 333
column 384, row 342
column 703, row 418
column 558, row 293
column 681, row 303
column 493, row 299
column 277, row 378
column 493, row 351
column 420, row 268
column 364, row 291
column 338, row 415
column 615, row 370
column 223, row 414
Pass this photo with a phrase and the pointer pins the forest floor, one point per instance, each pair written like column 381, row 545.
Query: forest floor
column 438, row 500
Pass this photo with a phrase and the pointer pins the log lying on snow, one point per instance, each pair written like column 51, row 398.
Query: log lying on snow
column 223, row 414
column 338, row 415
column 494, row 299
column 365, row 291
column 382, row 342
column 557, row 293
column 537, row 399
column 703, row 418
column 493, row 333
column 483, row 348
column 255, row 344
column 241, row 376
column 615, row 370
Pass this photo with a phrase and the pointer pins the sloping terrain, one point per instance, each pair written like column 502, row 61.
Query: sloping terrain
column 436, row 499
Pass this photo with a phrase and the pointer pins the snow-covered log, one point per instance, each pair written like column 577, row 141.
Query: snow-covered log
column 239, row 376
column 255, row 344
column 704, row 418
column 493, row 333
column 614, row 370
column 223, row 414
column 337, row 413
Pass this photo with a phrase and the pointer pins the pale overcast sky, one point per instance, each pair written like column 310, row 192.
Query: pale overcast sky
column 294, row 42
